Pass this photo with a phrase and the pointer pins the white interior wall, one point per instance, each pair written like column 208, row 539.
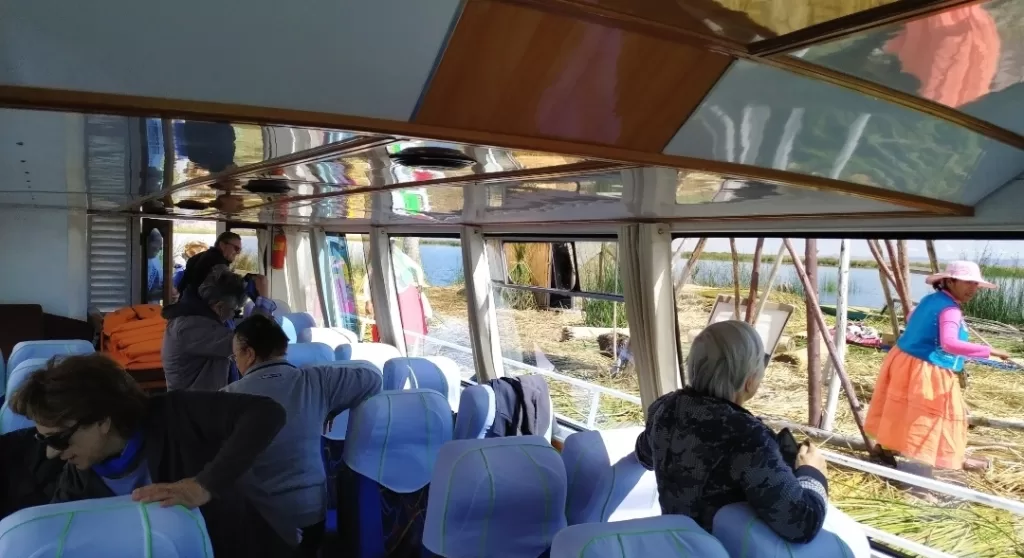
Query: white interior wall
column 44, row 260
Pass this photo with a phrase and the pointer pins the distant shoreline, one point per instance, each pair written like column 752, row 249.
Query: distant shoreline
column 831, row 261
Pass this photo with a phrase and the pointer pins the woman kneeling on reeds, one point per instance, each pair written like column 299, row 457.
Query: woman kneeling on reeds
column 707, row 451
column 918, row 408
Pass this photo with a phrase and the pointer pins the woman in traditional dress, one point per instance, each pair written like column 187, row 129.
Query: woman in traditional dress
column 918, row 408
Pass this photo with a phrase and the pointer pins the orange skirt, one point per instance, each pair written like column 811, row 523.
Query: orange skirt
column 918, row 410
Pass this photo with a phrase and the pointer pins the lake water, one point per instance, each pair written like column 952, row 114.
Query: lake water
column 442, row 264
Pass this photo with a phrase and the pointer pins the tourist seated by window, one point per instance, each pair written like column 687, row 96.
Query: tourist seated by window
column 288, row 479
column 707, row 451
column 197, row 342
column 179, row 448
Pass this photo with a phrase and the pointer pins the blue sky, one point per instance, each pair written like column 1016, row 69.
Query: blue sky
column 946, row 249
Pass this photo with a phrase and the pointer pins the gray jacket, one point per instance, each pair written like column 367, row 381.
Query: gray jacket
column 287, row 481
column 197, row 346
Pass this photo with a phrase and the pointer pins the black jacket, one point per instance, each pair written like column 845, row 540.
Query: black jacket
column 197, row 268
column 214, row 437
column 27, row 477
column 707, row 453
column 522, row 406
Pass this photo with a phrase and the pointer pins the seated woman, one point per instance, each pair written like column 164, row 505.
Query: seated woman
column 186, row 448
column 707, row 451
column 288, row 479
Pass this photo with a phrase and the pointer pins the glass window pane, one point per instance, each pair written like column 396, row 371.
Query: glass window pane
column 762, row 116
column 581, row 345
column 587, row 266
column 347, row 272
column 783, row 393
column 431, row 287
column 967, row 58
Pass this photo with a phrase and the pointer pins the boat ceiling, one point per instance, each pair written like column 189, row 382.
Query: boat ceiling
column 709, row 114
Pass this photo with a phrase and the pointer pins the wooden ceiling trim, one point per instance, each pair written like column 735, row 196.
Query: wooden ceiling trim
column 130, row 105
column 858, row 22
column 513, row 69
column 328, row 151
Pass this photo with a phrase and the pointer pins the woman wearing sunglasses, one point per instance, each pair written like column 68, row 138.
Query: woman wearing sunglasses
column 182, row 448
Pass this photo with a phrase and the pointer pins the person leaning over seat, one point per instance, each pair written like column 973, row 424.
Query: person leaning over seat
column 707, row 451
column 197, row 342
column 180, row 448
column 288, row 479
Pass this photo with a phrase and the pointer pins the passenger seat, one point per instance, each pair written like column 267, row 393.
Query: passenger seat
column 497, row 497
column 438, row 373
column 297, row 326
column 476, row 413
column 743, row 534
column 606, row 481
column 393, row 442
column 377, row 353
column 306, row 354
column 105, row 528
column 9, row 422
column 45, row 349
column 668, row 535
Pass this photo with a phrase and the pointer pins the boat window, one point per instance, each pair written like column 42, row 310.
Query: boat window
column 347, row 276
column 431, row 287
column 561, row 314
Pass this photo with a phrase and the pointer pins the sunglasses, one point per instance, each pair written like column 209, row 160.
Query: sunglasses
column 59, row 441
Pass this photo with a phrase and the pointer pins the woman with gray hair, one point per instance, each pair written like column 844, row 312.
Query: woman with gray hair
column 707, row 451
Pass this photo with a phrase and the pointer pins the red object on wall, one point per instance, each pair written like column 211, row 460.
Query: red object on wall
column 278, row 250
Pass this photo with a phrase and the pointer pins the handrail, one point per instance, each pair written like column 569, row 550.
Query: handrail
column 941, row 487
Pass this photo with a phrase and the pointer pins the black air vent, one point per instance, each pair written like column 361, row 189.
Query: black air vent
column 433, row 158
column 268, row 186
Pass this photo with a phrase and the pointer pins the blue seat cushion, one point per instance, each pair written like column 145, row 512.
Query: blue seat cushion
column 375, row 522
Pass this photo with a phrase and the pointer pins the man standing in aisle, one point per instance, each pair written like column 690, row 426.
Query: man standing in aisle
column 198, row 267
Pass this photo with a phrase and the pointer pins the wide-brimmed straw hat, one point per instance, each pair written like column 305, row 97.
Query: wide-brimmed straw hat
column 962, row 271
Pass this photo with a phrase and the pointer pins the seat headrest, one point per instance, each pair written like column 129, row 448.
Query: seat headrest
column 668, row 535
column 739, row 530
column 296, row 326
column 84, row 528
column 45, row 349
column 394, row 438
column 339, row 426
column 21, row 372
column 476, row 413
column 332, row 336
column 438, row 373
column 305, row 354
column 377, row 353
column 9, row 421
column 606, row 482
column 495, row 497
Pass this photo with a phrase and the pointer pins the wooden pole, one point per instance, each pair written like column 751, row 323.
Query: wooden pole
column 755, row 277
column 829, row 418
column 932, row 258
column 897, row 272
column 691, row 262
column 776, row 266
column 889, row 304
column 815, row 311
column 735, row 280
column 903, row 251
column 876, row 251
column 814, row 333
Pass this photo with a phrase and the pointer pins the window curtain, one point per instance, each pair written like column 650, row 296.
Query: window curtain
column 645, row 264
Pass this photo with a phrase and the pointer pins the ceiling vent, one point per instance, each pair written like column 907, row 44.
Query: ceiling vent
column 433, row 158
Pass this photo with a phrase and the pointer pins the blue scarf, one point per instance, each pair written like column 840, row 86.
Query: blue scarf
column 120, row 465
